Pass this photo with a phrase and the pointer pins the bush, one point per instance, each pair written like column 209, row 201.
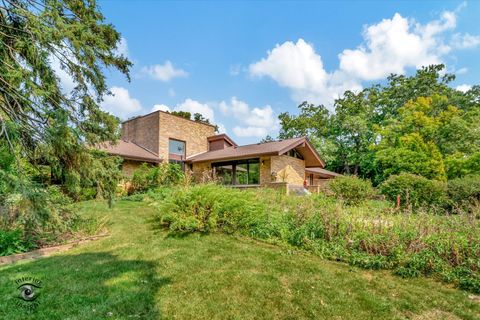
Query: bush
column 351, row 189
column 147, row 177
column 205, row 208
column 464, row 193
column 366, row 235
column 12, row 242
column 415, row 191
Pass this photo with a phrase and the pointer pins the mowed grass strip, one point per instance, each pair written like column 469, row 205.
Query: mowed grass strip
column 141, row 273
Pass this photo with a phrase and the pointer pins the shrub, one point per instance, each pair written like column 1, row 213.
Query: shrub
column 12, row 242
column 147, row 177
column 414, row 191
column 464, row 193
column 351, row 189
column 366, row 235
column 205, row 208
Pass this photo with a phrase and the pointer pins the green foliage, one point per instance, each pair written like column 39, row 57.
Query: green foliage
column 464, row 193
column 12, row 242
column 351, row 189
column 183, row 114
column 46, row 131
column 416, row 124
column 368, row 235
column 147, row 176
column 415, row 191
column 459, row 165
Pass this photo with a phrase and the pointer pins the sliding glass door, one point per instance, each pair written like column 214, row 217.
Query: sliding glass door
column 239, row 172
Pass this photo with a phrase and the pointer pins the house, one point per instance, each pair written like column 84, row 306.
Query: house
column 161, row 136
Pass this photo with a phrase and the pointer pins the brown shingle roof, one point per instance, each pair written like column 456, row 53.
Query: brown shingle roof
column 258, row 149
column 222, row 136
column 322, row 172
column 129, row 150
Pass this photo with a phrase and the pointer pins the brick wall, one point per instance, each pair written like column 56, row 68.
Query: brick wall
column 143, row 131
column 295, row 176
column 195, row 134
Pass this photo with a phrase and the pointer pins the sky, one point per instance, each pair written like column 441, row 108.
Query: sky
column 242, row 63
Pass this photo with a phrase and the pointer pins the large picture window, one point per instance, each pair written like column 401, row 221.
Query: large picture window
column 176, row 147
column 176, row 152
column 240, row 172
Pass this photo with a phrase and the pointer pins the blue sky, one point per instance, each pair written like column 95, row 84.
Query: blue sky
column 243, row 63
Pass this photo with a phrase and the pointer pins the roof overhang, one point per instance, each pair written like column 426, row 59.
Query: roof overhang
column 307, row 150
column 323, row 173
column 232, row 158
column 222, row 136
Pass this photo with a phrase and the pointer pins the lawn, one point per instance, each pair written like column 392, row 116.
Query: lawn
column 142, row 273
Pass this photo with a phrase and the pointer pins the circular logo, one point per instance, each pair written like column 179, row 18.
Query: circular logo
column 28, row 291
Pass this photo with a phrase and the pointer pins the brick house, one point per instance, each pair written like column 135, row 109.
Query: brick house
column 161, row 136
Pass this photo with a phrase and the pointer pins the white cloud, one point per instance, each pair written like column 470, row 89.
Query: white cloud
column 164, row 72
column 461, row 71
column 160, row 107
column 395, row 44
column 66, row 81
column 120, row 103
column 465, row 41
column 235, row 69
column 298, row 67
column 389, row 46
column 256, row 122
column 194, row 106
column 249, row 131
column 122, row 47
column 292, row 65
column 221, row 128
column 464, row 87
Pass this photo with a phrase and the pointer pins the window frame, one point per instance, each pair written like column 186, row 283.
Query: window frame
column 234, row 164
column 182, row 157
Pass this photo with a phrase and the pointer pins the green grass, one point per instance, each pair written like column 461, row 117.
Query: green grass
column 141, row 273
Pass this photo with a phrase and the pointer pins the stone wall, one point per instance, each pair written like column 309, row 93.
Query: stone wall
column 194, row 134
column 295, row 176
column 265, row 171
column 143, row 131
column 129, row 166
column 201, row 170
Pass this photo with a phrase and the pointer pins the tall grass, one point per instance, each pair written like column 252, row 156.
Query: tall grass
column 371, row 235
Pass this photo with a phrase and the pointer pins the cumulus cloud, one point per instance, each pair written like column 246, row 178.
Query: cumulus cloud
column 464, row 87
column 389, row 46
column 249, row 131
column 298, row 67
column 160, row 107
column 256, row 122
column 221, row 128
column 164, row 72
column 67, row 83
column 194, row 106
column 395, row 44
column 122, row 47
column 465, row 41
column 120, row 103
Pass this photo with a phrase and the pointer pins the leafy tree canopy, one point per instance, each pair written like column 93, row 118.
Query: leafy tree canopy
column 45, row 125
column 416, row 124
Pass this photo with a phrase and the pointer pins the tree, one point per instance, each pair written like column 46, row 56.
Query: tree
column 416, row 124
column 183, row 114
column 267, row 138
column 41, row 122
